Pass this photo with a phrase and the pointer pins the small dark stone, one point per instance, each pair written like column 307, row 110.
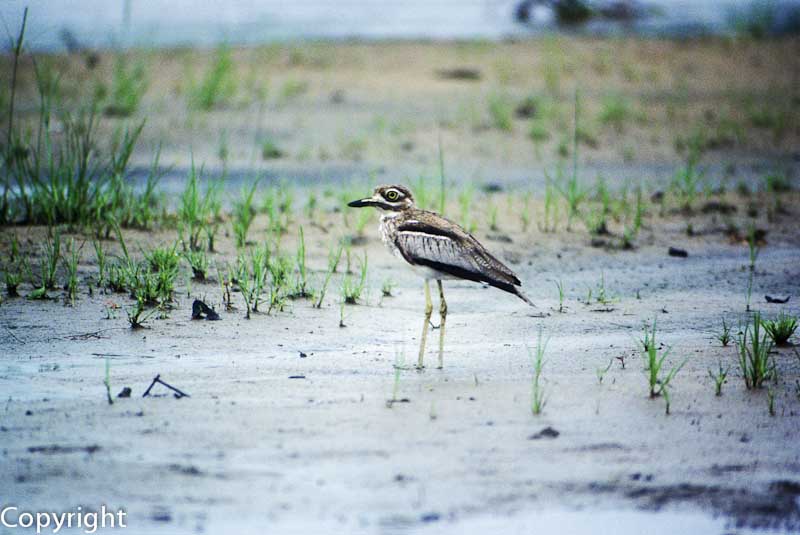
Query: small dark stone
column 124, row 393
column 337, row 97
column 547, row 432
column 527, row 109
column 303, row 355
column 718, row 207
column 430, row 517
column 200, row 310
column 161, row 516
column 460, row 73
column 680, row 253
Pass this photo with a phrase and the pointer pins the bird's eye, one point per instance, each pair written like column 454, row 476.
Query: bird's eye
column 392, row 195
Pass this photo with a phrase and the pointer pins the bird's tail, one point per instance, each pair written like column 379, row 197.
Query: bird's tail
column 518, row 292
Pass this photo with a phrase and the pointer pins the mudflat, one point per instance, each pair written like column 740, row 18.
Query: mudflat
column 674, row 203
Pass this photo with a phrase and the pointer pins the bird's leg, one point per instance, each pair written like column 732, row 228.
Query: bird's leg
column 443, row 316
column 428, row 310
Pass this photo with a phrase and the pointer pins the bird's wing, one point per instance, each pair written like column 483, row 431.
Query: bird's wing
column 446, row 247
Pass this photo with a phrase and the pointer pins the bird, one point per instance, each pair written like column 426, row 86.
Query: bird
column 436, row 249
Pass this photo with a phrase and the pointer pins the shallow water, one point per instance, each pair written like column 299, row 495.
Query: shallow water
column 101, row 23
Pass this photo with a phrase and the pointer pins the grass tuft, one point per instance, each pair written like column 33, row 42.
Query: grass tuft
column 658, row 383
column 128, row 86
column 351, row 289
column 502, row 112
column 218, row 85
column 725, row 336
column 199, row 263
column 753, row 349
column 243, row 214
column 538, row 398
column 70, row 261
column 781, row 328
column 719, row 378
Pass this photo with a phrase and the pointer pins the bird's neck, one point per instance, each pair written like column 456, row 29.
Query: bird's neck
column 390, row 215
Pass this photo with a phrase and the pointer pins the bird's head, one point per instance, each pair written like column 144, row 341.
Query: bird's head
column 393, row 198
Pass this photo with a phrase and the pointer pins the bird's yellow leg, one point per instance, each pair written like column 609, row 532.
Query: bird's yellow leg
column 443, row 316
column 428, row 311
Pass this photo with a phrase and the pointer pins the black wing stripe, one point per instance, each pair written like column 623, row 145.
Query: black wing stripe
column 467, row 275
column 418, row 226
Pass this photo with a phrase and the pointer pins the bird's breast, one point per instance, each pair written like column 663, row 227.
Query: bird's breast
column 387, row 229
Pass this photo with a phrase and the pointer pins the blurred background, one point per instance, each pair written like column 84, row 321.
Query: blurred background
column 371, row 90
column 188, row 23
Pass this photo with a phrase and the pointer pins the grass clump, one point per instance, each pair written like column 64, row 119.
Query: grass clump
column 560, row 287
column 13, row 269
column 48, row 267
column 399, row 366
column 725, row 336
column 270, row 151
column 102, row 262
column 128, row 85
column 719, row 376
column 198, row 212
column 243, row 214
column 199, row 264
column 66, row 175
column 465, row 207
column 753, row 350
column 70, row 261
column 218, row 85
column 501, row 112
column 280, row 269
column 139, row 314
column 251, row 277
column 12, row 278
column 334, row 256
column 538, row 399
column 686, row 184
column 163, row 258
column 301, row 288
column 615, row 111
column 601, row 372
column 781, row 328
column 352, row 289
column 658, row 383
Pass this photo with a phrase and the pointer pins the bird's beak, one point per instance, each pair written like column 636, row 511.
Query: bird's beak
column 361, row 203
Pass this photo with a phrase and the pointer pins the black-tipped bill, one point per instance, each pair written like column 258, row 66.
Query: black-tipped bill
column 361, row 203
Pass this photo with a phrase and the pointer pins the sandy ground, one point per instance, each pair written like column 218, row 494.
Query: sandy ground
column 287, row 427
column 278, row 440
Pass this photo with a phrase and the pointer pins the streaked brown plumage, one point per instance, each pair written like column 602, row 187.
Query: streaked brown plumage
column 436, row 248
